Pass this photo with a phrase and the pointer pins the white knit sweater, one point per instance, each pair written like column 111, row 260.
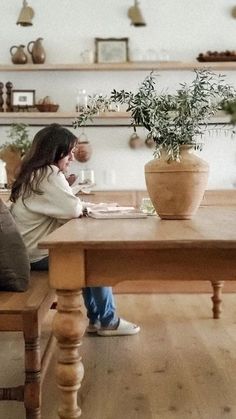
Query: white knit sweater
column 39, row 215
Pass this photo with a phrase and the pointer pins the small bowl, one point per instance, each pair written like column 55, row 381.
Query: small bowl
column 47, row 107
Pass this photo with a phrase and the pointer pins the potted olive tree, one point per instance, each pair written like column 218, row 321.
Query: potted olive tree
column 14, row 149
column 176, row 178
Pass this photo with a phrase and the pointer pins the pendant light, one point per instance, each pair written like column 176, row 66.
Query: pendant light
column 26, row 15
column 135, row 15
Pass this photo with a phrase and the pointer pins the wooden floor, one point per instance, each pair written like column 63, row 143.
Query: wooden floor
column 182, row 365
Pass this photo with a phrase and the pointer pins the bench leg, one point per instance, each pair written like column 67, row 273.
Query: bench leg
column 216, row 298
column 32, row 392
column 68, row 327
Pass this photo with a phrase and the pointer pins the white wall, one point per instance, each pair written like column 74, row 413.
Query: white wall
column 183, row 28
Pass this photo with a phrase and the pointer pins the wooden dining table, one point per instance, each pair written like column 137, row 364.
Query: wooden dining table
column 89, row 252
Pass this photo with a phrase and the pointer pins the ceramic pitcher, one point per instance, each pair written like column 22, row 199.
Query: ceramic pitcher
column 18, row 55
column 37, row 51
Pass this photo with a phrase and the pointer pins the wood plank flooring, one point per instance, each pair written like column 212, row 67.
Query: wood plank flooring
column 182, row 365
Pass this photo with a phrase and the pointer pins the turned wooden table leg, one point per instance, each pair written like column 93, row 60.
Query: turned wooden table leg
column 216, row 298
column 69, row 326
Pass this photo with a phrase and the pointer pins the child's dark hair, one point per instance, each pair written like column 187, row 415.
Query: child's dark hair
column 49, row 145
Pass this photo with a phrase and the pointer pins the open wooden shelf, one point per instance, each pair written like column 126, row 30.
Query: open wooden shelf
column 64, row 118
column 129, row 66
column 59, row 115
column 103, row 119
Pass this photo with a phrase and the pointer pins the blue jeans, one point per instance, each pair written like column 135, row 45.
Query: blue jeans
column 98, row 301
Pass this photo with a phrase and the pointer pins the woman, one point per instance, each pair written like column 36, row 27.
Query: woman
column 42, row 200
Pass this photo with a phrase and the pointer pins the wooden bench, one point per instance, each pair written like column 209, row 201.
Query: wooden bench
column 25, row 312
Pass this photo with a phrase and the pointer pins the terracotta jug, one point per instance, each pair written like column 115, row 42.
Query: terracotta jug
column 37, row 51
column 18, row 55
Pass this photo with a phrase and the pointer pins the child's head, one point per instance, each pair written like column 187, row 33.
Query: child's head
column 50, row 145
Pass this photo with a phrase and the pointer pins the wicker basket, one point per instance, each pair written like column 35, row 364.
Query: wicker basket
column 47, row 107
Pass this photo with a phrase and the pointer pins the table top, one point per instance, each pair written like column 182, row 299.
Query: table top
column 211, row 227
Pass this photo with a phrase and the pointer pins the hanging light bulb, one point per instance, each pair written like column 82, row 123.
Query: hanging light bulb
column 26, row 15
column 135, row 15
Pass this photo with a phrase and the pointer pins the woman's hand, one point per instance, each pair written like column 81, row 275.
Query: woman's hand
column 71, row 179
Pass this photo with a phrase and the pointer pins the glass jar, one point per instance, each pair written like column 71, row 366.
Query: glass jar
column 81, row 101
column 86, row 177
column 147, row 207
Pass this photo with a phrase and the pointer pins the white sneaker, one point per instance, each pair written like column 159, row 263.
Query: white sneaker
column 93, row 327
column 124, row 328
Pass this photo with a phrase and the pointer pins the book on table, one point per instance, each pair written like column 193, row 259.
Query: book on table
column 112, row 210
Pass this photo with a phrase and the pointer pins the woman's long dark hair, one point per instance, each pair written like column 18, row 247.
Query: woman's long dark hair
column 49, row 145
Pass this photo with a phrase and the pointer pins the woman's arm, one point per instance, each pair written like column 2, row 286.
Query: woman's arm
column 57, row 200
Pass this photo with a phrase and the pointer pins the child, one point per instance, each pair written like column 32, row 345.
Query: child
column 42, row 200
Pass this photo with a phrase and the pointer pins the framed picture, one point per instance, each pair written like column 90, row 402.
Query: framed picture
column 22, row 98
column 111, row 50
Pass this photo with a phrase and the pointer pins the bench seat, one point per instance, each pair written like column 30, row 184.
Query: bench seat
column 25, row 312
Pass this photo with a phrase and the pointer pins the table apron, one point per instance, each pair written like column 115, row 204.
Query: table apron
column 112, row 266
column 75, row 268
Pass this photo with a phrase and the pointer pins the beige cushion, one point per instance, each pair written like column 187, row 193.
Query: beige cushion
column 14, row 260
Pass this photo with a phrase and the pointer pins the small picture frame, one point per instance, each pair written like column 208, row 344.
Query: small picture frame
column 22, row 99
column 111, row 50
